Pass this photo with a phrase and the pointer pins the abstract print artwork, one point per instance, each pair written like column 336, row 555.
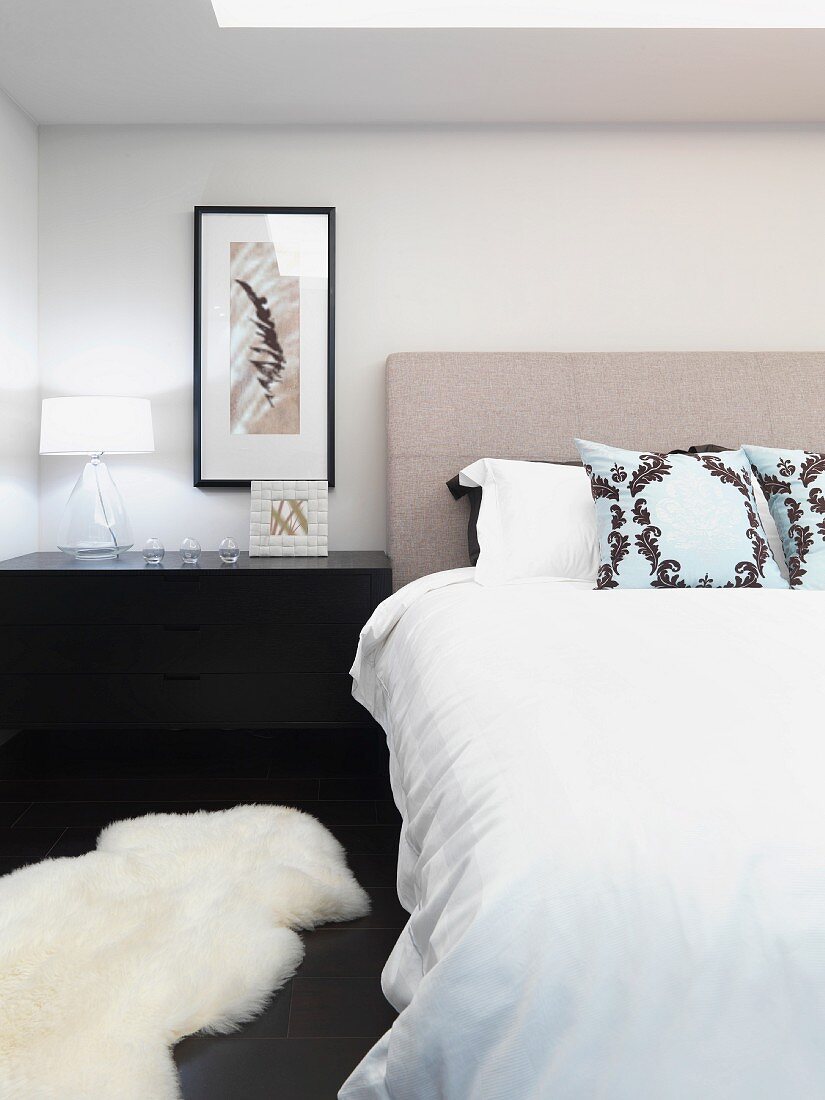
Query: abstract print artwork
column 264, row 345
column 288, row 519
column 794, row 483
column 677, row 520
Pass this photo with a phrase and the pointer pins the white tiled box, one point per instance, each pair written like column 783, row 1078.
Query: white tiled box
column 288, row 519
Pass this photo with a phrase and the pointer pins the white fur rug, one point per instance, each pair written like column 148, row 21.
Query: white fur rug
column 177, row 922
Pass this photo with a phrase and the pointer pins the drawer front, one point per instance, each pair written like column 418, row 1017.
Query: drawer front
column 184, row 597
column 179, row 648
column 98, row 598
column 232, row 701
column 273, row 598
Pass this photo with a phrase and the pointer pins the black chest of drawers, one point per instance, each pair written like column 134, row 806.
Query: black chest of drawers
column 266, row 643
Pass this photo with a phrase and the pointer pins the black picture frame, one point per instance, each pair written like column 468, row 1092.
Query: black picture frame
column 200, row 212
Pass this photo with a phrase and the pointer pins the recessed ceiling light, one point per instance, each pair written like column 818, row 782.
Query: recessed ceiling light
column 653, row 14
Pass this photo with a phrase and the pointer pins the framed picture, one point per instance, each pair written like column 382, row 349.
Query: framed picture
column 288, row 519
column 264, row 344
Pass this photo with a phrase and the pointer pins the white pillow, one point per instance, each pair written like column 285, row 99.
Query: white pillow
column 536, row 520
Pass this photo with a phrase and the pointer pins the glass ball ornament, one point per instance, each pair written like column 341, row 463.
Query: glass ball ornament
column 229, row 551
column 153, row 551
column 190, row 551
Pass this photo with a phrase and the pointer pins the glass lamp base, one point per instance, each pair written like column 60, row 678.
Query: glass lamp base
column 93, row 553
column 94, row 525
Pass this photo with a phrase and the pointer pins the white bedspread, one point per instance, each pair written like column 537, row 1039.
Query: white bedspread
column 613, row 849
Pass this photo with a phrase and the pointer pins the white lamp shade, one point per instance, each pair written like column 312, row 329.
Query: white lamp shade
column 96, row 425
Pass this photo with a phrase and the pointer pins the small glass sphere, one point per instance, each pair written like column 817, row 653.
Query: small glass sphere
column 229, row 551
column 190, row 551
column 153, row 551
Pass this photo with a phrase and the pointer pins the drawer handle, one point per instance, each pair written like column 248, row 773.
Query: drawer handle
column 175, row 677
column 181, row 629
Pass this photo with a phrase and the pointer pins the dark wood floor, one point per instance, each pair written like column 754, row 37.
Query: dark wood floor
column 57, row 790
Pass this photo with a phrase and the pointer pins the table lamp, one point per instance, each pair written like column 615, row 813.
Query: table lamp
column 95, row 524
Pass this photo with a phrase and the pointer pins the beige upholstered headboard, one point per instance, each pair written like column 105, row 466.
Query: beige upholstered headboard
column 445, row 410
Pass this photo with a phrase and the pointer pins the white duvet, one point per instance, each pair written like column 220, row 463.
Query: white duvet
column 613, row 849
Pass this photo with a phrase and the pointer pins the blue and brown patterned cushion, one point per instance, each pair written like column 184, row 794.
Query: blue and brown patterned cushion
column 677, row 520
column 794, row 483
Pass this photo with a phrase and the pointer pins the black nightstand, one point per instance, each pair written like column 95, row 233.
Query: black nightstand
column 264, row 643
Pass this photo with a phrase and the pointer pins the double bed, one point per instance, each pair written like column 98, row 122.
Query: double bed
column 613, row 842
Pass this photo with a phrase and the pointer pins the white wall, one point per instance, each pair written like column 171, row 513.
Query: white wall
column 447, row 239
column 19, row 407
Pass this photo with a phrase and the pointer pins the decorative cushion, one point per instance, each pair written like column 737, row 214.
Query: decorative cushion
column 794, row 483
column 677, row 521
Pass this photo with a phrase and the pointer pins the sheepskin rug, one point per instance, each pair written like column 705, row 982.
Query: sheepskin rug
column 177, row 922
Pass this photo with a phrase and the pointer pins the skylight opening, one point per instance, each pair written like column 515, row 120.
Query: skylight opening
column 583, row 14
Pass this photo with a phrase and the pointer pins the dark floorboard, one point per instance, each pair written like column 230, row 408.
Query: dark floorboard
column 11, row 812
column 386, row 910
column 195, row 754
column 9, row 865
column 171, row 789
column 57, row 790
column 377, row 786
column 80, row 814
column 74, row 842
column 327, row 1007
column 337, row 951
column 267, row 1069
column 29, row 844
column 367, row 838
column 373, row 868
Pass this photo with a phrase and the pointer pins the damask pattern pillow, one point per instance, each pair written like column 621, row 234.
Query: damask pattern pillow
column 677, row 521
column 794, row 483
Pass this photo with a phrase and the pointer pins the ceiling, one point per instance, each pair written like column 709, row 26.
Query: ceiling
column 167, row 61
